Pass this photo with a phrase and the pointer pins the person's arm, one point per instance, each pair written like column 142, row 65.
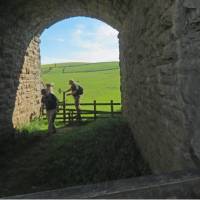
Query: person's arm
column 42, row 102
column 57, row 104
column 42, row 106
column 68, row 90
column 72, row 93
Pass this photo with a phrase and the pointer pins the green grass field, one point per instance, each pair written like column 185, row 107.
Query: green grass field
column 101, row 81
column 100, row 151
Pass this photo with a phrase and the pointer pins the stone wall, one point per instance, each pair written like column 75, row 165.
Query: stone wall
column 188, row 34
column 13, row 46
column 28, row 98
column 152, row 96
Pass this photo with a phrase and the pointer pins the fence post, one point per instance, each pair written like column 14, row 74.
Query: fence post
column 112, row 107
column 64, row 107
column 72, row 114
column 95, row 109
column 69, row 117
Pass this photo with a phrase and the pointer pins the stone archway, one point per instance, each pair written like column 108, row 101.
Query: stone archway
column 20, row 40
column 153, row 45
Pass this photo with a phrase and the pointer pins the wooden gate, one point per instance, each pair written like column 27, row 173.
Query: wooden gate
column 89, row 111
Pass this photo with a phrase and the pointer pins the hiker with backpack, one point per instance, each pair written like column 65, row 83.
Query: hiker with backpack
column 50, row 102
column 76, row 91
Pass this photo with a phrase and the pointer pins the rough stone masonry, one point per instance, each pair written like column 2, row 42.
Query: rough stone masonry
column 159, row 60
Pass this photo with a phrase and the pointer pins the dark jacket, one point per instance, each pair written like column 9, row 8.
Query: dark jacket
column 50, row 101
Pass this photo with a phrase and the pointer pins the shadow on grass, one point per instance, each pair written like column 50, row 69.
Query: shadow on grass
column 101, row 151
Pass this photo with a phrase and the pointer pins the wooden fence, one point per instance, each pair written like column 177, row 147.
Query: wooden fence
column 67, row 112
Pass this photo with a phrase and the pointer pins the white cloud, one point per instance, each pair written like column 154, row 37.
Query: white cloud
column 105, row 31
column 78, row 33
column 60, row 40
column 97, row 46
column 89, row 45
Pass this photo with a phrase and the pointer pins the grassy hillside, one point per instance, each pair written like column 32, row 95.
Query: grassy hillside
column 101, row 81
column 101, row 151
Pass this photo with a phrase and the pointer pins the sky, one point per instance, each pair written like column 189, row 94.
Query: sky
column 79, row 39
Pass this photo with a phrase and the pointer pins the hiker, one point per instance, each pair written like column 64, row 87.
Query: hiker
column 50, row 102
column 49, row 87
column 76, row 91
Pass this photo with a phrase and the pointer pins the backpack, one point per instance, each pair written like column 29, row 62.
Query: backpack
column 50, row 101
column 80, row 90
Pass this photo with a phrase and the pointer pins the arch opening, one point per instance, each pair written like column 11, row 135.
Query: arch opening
column 86, row 50
column 95, row 46
column 31, row 18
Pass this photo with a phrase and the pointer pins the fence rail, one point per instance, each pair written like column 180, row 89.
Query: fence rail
column 67, row 114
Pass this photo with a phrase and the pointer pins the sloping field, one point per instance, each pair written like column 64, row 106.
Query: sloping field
column 101, row 81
